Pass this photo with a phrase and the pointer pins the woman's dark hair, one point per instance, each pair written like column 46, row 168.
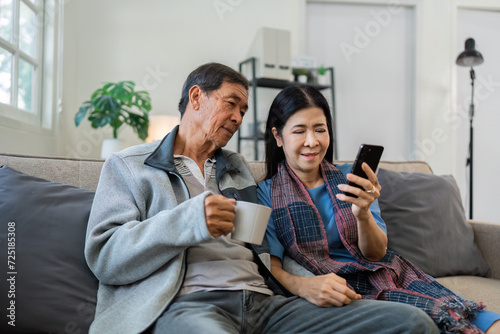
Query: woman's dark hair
column 286, row 103
column 210, row 77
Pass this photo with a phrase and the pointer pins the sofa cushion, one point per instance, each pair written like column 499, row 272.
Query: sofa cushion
column 43, row 225
column 426, row 223
column 478, row 289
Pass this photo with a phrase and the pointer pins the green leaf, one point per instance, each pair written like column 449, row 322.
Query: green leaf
column 99, row 120
column 140, row 123
column 142, row 101
column 116, row 123
column 107, row 87
column 98, row 92
column 116, row 104
column 82, row 112
column 129, row 85
column 106, row 103
column 142, row 132
column 322, row 70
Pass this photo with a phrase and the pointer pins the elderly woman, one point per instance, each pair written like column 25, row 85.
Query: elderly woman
column 340, row 239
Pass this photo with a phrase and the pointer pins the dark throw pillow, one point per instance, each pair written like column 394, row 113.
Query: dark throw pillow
column 426, row 223
column 48, row 286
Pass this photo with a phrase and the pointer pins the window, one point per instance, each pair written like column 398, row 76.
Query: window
column 22, row 27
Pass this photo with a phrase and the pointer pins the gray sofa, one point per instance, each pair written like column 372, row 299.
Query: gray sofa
column 50, row 269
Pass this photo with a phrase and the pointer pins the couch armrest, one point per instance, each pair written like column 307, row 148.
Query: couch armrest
column 486, row 237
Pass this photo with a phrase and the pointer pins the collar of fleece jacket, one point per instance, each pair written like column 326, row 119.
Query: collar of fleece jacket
column 233, row 174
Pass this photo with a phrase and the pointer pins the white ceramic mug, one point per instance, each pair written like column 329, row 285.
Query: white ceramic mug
column 250, row 222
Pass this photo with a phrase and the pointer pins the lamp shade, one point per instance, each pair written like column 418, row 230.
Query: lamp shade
column 160, row 125
column 470, row 57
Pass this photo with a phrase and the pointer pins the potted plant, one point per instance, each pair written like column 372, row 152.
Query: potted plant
column 300, row 74
column 116, row 104
column 322, row 77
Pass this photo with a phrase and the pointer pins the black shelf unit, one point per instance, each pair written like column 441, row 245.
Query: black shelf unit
column 277, row 84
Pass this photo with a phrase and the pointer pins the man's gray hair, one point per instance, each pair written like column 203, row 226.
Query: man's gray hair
column 210, row 77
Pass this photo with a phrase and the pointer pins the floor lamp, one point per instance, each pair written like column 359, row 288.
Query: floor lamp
column 470, row 58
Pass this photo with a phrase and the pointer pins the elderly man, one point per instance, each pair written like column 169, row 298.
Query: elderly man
column 158, row 240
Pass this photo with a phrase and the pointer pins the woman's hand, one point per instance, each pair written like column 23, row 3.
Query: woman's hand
column 361, row 204
column 323, row 290
column 327, row 290
column 372, row 241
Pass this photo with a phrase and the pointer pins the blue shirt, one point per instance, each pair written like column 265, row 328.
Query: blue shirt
column 322, row 201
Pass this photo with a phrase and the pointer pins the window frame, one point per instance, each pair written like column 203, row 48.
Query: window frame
column 48, row 18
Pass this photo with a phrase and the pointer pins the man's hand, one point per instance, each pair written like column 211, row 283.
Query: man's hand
column 327, row 290
column 219, row 214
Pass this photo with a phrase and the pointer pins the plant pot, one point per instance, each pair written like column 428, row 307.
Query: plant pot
column 302, row 78
column 323, row 80
column 110, row 146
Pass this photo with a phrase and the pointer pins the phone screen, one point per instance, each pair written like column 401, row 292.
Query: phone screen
column 370, row 154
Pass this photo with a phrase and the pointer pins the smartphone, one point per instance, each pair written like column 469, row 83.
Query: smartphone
column 370, row 154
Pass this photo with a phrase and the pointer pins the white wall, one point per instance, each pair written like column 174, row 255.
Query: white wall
column 21, row 139
column 372, row 49
column 155, row 43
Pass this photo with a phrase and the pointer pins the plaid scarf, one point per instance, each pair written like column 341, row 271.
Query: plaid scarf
column 301, row 231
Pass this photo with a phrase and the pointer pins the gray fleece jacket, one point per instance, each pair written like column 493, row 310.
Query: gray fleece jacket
column 141, row 224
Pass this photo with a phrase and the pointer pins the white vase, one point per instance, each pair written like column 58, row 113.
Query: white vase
column 110, row 146
column 302, row 78
column 324, row 80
